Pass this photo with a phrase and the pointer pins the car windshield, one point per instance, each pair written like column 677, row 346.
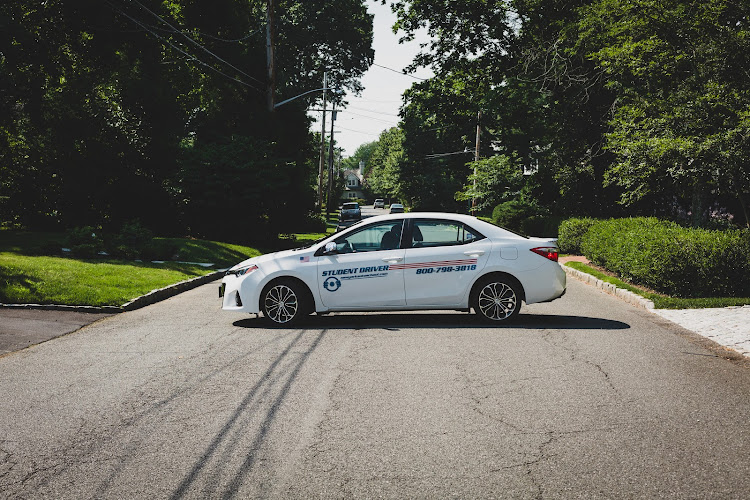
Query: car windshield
column 350, row 206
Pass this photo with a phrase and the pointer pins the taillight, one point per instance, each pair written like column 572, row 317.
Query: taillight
column 546, row 252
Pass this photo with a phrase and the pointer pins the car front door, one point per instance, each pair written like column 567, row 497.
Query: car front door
column 363, row 272
column 441, row 261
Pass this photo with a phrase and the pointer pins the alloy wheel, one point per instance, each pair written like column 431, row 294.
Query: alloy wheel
column 497, row 301
column 281, row 304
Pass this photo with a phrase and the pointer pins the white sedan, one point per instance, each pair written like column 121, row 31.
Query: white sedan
column 398, row 262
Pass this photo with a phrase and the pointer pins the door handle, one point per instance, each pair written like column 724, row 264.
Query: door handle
column 392, row 260
column 474, row 253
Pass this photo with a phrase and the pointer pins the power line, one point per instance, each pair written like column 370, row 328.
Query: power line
column 189, row 30
column 358, row 131
column 190, row 39
column 365, row 116
column 440, row 155
column 372, row 111
column 400, row 72
column 190, row 56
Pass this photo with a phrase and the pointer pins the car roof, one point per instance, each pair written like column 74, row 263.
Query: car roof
column 484, row 227
column 468, row 219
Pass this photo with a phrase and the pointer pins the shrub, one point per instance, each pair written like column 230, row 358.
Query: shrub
column 513, row 214
column 86, row 235
column 123, row 252
column 85, row 250
column 312, row 223
column 570, row 233
column 159, row 250
column 135, row 235
column 541, row 225
column 51, row 248
column 666, row 257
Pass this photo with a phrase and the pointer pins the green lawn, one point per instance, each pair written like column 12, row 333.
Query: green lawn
column 26, row 277
column 59, row 280
column 662, row 301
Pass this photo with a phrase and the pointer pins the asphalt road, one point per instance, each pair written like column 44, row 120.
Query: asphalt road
column 583, row 397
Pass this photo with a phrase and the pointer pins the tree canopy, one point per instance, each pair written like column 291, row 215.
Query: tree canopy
column 619, row 106
column 121, row 109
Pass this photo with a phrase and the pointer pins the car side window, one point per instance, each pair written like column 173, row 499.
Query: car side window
column 439, row 233
column 382, row 236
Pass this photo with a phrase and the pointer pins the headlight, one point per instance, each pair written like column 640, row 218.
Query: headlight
column 242, row 271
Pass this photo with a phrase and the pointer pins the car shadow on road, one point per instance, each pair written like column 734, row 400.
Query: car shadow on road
column 409, row 321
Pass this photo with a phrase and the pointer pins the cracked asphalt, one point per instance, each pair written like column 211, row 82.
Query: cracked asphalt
column 583, row 397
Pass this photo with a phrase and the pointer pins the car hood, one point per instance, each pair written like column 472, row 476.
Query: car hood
column 260, row 259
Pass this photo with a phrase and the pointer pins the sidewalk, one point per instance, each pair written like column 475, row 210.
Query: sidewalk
column 727, row 326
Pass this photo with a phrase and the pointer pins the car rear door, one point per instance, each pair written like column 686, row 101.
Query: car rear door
column 443, row 258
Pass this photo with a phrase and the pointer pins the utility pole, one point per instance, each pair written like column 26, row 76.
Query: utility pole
column 322, row 144
column 270, row 64
column 330, row 159
column 476, row 159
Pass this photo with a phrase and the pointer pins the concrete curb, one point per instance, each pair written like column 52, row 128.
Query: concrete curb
column 150, row 298
column 620, row 293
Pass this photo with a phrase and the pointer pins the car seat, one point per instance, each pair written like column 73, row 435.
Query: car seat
column 417, row 238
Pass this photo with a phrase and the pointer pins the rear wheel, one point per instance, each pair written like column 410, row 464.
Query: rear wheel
column 497, row 299
column 284, row 302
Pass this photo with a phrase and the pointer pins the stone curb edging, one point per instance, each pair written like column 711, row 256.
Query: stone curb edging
column 144, row 300
column 621, row 293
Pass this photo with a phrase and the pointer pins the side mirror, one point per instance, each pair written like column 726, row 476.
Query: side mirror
column 330, row 248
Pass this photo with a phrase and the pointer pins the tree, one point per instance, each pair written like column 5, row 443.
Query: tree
column 384, row 178
column 101, row 99
column 362, row 154
column 680, row 127
column 493, row 180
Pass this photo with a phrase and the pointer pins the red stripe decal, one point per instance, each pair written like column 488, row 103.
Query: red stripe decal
column 442, row 263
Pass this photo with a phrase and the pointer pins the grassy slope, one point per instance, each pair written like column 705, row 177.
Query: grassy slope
column 58, row 280
column 28, row 278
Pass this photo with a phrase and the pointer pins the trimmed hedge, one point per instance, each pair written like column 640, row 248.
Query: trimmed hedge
column 525, row 218
column 570, row 233
column 678, row 261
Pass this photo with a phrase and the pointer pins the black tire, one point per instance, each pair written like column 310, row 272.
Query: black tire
column 284, row 302
column 496, row 299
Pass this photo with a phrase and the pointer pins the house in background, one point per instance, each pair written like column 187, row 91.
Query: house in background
column 353, row 184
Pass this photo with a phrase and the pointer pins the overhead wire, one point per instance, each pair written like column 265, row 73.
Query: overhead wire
column 364, row 116
column 440, row 155
column 205, row 34
column 371, row 111
column 178, row 49
column 400, row 72
column 191, row 40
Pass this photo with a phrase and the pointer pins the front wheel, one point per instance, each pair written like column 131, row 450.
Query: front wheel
column 283, row 302
column 497, row 299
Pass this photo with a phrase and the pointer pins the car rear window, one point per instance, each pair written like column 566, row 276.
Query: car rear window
column 350, row 206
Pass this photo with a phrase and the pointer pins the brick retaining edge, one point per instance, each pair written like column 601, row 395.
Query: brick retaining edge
column 620, row 293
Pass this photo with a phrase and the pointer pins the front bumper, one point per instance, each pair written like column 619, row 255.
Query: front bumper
column 240, row 293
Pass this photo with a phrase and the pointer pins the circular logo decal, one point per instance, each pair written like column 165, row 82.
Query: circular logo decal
column 332, row 284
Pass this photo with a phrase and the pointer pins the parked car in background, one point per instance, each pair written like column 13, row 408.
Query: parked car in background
column 397, row 208
column 350, row 211
column 379, row 203
column 412, row 261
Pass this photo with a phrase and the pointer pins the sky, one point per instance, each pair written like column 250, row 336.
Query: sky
column 376, row 109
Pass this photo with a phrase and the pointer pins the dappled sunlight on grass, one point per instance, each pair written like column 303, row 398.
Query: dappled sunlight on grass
column 57, row 280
